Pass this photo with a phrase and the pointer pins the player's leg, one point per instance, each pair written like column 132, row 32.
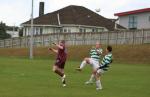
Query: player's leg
column 63, row 78
column 59, row 64
column 92, row 79
column 57, row 70
column 95, row 65
column 61, row 69
column 83, row 63
column 98, row 77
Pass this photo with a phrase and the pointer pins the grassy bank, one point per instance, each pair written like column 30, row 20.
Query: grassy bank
column 121, row 53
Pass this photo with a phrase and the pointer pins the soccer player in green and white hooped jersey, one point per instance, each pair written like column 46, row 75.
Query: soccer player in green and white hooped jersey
column 95, row 54
column 107, row 60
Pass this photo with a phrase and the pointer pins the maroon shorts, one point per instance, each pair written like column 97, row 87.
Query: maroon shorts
column 60, row 63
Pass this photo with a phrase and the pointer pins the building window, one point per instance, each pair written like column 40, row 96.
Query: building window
column 65, row 30
column 37, row 31
column 132, row 22
column 41, row 31
column 69, row 30
column 82, row 30
column 94, row 30
column 61, row 30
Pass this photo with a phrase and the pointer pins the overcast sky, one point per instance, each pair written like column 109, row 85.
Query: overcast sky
column 15, row 12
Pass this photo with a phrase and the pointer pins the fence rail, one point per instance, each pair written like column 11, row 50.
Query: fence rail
column 110, row 37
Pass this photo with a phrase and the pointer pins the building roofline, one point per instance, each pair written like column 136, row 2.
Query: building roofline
column 132, row 12
column 35, row 25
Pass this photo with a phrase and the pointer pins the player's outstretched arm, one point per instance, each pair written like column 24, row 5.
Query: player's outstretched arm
column 53, row 50
column 59, row 46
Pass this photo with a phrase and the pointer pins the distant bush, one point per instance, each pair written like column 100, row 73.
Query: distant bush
column 3, row 34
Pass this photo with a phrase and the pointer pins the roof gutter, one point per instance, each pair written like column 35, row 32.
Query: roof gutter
column 70, row 25
column 37, row 25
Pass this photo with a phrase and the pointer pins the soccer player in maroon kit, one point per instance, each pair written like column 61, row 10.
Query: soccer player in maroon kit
column 59, row 65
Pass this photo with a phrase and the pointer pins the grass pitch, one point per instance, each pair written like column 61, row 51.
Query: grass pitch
column 20, row 77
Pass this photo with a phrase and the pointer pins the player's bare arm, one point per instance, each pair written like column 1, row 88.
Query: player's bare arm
column 59, row 46
column 53, row 50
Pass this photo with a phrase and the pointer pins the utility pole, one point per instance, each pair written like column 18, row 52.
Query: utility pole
column 31, row 33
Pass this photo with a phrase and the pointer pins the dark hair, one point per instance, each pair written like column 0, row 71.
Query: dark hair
column 109, row 48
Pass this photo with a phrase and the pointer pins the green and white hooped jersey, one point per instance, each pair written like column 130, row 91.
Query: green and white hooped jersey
column 106, row 61
column 96, row 53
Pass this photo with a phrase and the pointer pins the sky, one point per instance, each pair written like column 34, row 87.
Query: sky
column 15, row 12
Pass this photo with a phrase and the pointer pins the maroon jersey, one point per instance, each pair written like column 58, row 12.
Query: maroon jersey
column 62, row 53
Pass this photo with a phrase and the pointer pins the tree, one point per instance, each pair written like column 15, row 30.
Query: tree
column 3, row 34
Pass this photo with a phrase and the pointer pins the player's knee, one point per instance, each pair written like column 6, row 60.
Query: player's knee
column 94, row 72
column 54, row 69
column 97, row 77
column 87, row 60
column 98, row 73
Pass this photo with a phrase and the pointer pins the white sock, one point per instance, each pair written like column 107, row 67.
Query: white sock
column 82, row 64
column 91, row 78
column 98, row 84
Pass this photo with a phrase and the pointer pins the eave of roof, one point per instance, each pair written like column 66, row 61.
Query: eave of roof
column 132, row 12
column 62, row 25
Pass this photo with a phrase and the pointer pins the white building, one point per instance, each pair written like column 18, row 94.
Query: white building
column 69, row 19
column 135, row 19
column 13, row 33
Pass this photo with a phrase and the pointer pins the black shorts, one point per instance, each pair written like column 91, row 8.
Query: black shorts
column 60, row 63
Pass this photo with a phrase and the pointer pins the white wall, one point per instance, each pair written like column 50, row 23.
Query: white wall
column 13, row 33
column 142, row 20
column 71, row 29
column 47, row 30
column 88, row 29
column 123, row 21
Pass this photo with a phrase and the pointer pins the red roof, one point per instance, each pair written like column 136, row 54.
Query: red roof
column 132, row 12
